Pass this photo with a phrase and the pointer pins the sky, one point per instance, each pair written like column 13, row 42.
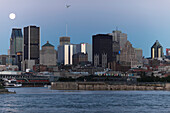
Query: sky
column 144, row 21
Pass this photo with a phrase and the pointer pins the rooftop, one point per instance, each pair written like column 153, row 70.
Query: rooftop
column 16, row 32
column 47, row 45
column 157, row 44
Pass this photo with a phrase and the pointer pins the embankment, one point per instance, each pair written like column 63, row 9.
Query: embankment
column 108, row 86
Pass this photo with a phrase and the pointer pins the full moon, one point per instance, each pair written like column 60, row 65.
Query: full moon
column 12, row 16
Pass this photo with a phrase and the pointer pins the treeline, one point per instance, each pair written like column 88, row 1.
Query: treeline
column 153, row 79
column 79, row 79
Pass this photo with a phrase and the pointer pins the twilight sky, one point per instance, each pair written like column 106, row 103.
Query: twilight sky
column 145, row 21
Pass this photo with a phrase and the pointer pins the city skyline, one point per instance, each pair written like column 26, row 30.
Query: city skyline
column 143, row 25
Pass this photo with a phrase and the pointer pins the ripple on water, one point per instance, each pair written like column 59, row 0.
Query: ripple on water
column 43, row 100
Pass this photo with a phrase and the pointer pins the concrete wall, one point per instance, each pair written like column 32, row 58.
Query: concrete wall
column 106, row 86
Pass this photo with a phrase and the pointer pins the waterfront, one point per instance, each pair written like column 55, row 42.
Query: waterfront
column 43, row 100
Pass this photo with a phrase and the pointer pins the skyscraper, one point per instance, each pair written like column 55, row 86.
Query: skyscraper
column 102, row 50
column 119, row 37
column 65, row 54
column 16, row 41
column 156, row 50
column 16, row 44
column 128, row 56
column 31, row 49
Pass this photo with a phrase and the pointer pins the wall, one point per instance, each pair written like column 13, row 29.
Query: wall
column 107, row 86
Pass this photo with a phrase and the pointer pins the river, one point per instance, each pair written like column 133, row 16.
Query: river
column 44, row 100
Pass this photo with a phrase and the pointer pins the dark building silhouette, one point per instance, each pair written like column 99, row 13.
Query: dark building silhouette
column 156, row 50
column 31, row 49
column 19, row 59
column 80, row 58
column 102, row 50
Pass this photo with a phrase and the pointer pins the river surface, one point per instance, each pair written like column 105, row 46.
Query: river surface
column 44, row 100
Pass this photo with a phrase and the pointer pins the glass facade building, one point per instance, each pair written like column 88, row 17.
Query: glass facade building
column 16, row 41
column 86, row 49
column 102, row 50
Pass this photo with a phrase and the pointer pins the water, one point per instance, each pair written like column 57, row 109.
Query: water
column 43, row 100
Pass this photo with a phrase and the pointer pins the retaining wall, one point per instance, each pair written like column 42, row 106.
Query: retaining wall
column 107, row 86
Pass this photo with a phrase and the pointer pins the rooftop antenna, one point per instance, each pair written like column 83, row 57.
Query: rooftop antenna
column 66, row 29
column 116, row 28
column 67, row 6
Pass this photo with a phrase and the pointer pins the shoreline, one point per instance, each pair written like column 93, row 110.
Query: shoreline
column 5, row 91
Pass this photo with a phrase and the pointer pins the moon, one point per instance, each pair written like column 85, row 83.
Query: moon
column 12, row 16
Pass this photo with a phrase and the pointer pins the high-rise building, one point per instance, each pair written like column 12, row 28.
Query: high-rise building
column 128, row 55
column 156, row 50
column 86, row 49
column 31, row 49
column 119, row 40
column 16, row 45
column 64, row 40
column 16, row 41
column 65, row 54
column 119, row 37
column 102, row 50
column 48, row 55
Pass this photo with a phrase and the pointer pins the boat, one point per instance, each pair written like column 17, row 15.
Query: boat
column 47, row 86
column 9, row 83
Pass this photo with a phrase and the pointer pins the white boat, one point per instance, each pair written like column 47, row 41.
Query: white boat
column 48, row 86
column 11, row 83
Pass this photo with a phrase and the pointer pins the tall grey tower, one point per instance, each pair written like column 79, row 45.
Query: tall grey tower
column 31, row 49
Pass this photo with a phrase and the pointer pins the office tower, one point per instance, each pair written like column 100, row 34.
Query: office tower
column 64, row 40
column 86, row 49
column 16, row 44
column 167, row 51
column 16, row 41
column 65, row 54
column 119, row 40
column 127, row 56
column 31, row 49
column 156, row 50
column 102, row 49
column 119, row 37
column 48, row 55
